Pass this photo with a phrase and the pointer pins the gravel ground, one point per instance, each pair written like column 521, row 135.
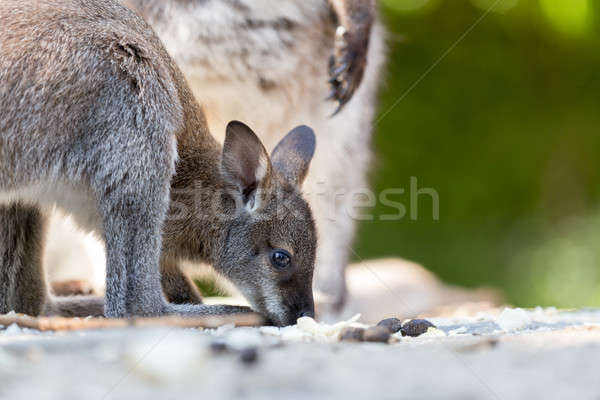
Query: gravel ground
column 510, row 354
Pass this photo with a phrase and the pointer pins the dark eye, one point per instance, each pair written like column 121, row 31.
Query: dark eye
column 280, row 258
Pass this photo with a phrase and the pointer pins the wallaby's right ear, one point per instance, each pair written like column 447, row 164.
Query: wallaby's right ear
column 292, row 155
column 246, row 164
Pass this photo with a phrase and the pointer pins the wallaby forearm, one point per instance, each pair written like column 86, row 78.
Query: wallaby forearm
column 86, row 306
column 177, row 286
column 348, row 62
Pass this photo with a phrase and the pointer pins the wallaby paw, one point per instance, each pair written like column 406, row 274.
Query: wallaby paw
column 72, row 288
column 347, row 65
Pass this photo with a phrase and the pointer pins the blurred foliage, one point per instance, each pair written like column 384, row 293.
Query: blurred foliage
column 209, row 287
column 505, row 128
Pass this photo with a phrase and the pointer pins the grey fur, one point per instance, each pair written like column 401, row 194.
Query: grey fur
column 20, row 259
column 98, row 120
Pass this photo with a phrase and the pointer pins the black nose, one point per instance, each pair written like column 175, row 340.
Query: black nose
column 306, row 313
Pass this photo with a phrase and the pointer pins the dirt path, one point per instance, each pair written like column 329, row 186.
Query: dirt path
column 516, row 354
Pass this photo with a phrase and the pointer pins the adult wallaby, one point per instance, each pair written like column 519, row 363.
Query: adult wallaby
column 267, row 62
column 96, row 119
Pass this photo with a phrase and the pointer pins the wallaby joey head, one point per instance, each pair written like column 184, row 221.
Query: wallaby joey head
column 261, row 234
column 98, row 120
column 269, row 250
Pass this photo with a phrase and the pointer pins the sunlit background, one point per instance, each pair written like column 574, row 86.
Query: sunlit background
column 506, row 129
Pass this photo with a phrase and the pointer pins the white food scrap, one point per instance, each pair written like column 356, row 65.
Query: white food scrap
column 513, row 319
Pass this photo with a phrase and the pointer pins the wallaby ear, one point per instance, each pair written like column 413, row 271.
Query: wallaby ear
column 292, row 155
column 246, row 164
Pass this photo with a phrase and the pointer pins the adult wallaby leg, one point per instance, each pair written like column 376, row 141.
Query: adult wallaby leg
column 132, row 221
column 177, row 286
column 22, row 281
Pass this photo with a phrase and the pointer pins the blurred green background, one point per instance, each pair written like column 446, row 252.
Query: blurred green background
column 506, row 129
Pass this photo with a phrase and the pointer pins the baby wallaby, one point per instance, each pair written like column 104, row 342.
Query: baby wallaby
column 96, row 119
column 240, row 53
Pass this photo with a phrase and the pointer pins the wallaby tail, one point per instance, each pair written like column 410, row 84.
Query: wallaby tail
column 75, row 306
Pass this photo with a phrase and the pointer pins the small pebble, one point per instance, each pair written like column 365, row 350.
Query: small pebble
column 392, row 324
column 218, row 346
column 352, row 334
column 377, row 334
column 249, row 355
column 416, row 327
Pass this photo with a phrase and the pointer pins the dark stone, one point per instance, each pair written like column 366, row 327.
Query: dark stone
column 352, row 334
column 416, row 327
column 249, row 355
column 218, row 346
column 379, row 334
column 392, row 324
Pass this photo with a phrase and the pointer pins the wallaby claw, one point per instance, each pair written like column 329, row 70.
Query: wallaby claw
column 338, row 71
column 331, row 95
column 337, row 110
column 343, row 96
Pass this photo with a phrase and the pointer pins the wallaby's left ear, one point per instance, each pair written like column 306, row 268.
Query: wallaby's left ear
column 292, row 155
column 246, row 163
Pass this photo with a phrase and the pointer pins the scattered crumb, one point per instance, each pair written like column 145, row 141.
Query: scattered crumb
column 309, row 325
column 458, row 331
column 12, row 330
column 513, row 319
column 433, row 332
column 307, row 329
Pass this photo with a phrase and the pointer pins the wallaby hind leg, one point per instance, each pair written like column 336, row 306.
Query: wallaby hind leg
column 177, row 286
column 132, row 221
column 22, row 281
